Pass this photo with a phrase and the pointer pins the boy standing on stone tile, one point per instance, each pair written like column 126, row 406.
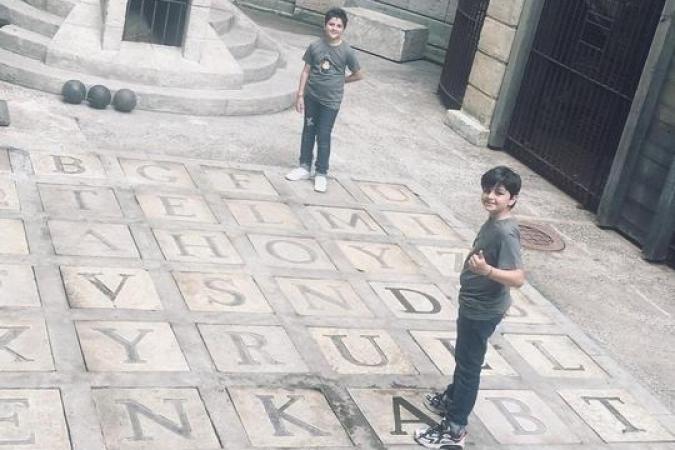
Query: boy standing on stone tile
column 320, row 93
column 492, row 267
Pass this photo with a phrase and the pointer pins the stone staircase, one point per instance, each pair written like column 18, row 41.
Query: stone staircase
column 26, row 58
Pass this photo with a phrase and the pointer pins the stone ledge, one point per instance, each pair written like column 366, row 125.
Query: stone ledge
column 467, row 127
column 387, row 36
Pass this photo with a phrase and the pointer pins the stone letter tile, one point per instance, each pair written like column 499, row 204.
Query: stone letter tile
column 324, row 298
column 345, row 220
column 394, row 415
column 191, row 208
column 299, row 418
column 390, row 194
column 354, row 351
column 521, row 418
column 92, row 239
column 24, row 346
column 152, row 419
column 555, row 356
column 8, row 198
column 69, row 201
column 378, row 258
column 129, row 346
column 422, row 226
column 250, row 348
column 256, row 213
column 447, row 260
column 336, row 193
column 415, row 300
column 98, row 287
column 197, row 246
column 524, row 310
column 13, row 240
column 285, row 251
column 221, row 292
column 156, row 172
column 237, row 181
column 440, row 348
column 17, row 286
column 32, row 419
column 74, row 165
column 615, row 415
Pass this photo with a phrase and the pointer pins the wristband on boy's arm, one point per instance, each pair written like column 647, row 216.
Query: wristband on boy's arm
column 487, row 275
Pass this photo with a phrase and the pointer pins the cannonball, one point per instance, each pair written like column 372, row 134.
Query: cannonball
column 98, row 96
column 73, row 91
column 124, row 100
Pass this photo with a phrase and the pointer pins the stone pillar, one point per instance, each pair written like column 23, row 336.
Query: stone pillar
column 113, row 13
column 504, row 45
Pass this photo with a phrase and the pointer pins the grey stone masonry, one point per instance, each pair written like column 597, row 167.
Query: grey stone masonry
column 178, row 304
column 386, row 36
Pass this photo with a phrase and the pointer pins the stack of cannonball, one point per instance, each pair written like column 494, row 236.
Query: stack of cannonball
column 98, row 96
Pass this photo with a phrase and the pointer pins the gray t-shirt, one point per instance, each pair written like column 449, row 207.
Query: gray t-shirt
column 479, row 297
column 327, row 65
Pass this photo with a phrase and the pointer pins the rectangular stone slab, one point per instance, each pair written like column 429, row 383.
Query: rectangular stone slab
column 387, row 36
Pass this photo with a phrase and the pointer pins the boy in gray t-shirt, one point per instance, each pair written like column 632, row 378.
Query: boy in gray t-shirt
column 320, row 93
column 492, row 267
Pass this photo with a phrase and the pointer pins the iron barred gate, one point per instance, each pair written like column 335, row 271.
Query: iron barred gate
column 461, row 51
column 583, row 70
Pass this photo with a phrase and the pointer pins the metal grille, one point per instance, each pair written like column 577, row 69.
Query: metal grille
column 461, row 51
column 579, row 83
column 156, row 21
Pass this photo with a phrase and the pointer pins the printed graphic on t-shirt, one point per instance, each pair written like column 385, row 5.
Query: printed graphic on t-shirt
column 326, row 66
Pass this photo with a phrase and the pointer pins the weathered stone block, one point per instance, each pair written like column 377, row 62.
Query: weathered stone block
column 467, row 127
column 487, row 74
column 496, row 39
column 479, row 105
column 386, row 36
column 319, row 5
column 507, row 11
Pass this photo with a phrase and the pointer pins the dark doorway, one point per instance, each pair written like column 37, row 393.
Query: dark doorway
column 579, row 83
column 156, row 21
column 461, row 51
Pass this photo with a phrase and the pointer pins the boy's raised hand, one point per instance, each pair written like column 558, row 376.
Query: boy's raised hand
column 477, row 263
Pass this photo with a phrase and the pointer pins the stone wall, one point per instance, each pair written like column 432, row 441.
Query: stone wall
column 437, row 15
column 492, row 57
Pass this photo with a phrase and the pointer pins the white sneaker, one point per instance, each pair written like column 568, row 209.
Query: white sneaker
column 299, row 173
column 320, row 183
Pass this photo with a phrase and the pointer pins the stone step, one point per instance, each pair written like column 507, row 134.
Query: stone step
column 20, row 13
column 240, row 41
column 272, row 95
column 23, row 42
column 221, row 20
column 60, row 8
column 259, row 65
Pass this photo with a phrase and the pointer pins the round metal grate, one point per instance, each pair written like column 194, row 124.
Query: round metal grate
column 540, row 237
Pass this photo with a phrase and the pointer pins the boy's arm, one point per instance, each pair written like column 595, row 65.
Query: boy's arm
column 511, row 278
column 300, row 96
column 354, row 76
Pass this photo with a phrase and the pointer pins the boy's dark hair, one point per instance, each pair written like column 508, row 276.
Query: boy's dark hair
column 336, row 13
column 501, row 175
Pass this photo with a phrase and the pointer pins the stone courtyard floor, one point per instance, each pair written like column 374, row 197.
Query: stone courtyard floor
column 163, row 287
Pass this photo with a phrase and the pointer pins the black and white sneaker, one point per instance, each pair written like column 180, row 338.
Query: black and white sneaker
column 435, row 402
column 439, row 437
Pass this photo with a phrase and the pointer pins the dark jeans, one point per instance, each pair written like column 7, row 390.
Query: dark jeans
column 319, row 121
column 472, row 338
